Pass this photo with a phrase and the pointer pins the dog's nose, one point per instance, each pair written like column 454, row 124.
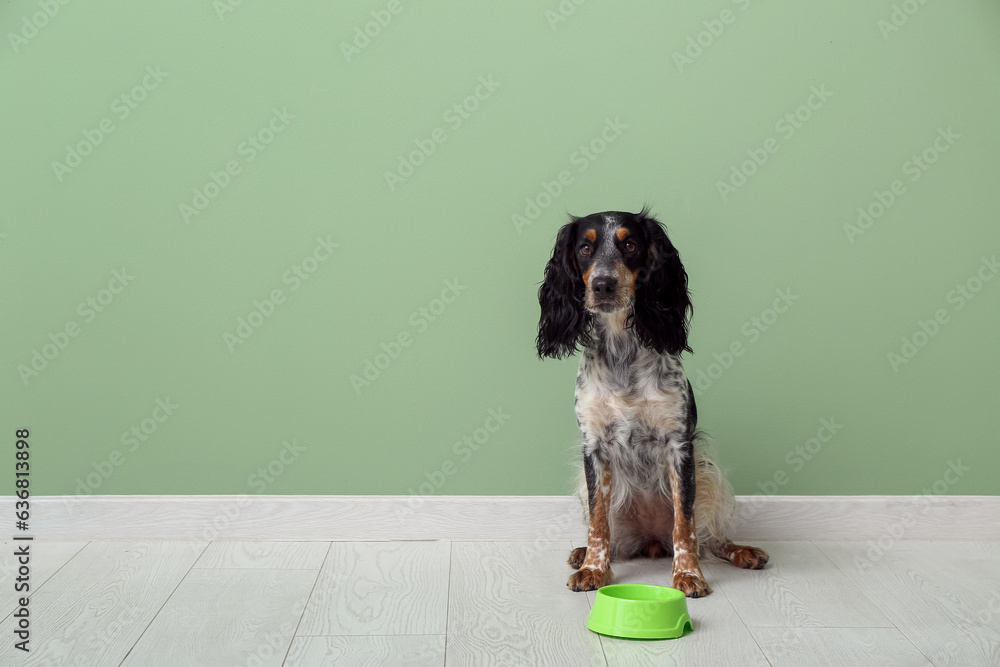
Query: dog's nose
column 603, row 285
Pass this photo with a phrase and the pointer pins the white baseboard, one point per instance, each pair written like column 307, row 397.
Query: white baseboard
column 473, row 518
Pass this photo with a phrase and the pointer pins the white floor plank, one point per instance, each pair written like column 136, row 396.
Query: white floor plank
column 509, row 605
column 718, row 637
column 944, row 596
column 372, row 651
column 93, row 610
column 226, row 617
column 836, row 647
column 380, row 588
column 797, row 589
column 46, row 558
column 264, row 555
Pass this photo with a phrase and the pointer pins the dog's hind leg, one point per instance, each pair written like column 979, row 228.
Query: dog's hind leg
column 715, row 506
column 749, row 558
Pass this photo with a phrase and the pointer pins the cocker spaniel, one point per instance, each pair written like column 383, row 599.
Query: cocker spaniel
column 616, row 287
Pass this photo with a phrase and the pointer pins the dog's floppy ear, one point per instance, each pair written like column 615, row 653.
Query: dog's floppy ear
column 662, row 301
column 564, row 319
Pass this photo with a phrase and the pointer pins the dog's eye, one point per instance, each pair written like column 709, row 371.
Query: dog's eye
column 629, row 246
column 585, row 249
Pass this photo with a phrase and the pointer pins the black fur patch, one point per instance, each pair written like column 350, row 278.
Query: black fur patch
column 686, row 472
column 591, row 475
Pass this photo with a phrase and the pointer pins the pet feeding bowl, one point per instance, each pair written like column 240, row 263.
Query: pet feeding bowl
column 639, row 611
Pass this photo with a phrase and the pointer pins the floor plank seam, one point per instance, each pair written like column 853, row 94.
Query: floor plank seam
column 876, row 604
column 165, row 601
column 49, row 578
column 754, row 638
column 295, row 632
column 722, row 589
column 447, row 610
column 859, row 588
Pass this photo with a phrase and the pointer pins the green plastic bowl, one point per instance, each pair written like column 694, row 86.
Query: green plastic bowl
column 639, row 611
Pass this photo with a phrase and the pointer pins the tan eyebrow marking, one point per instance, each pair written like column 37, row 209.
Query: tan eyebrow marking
column 622, row 233
column 591, row 235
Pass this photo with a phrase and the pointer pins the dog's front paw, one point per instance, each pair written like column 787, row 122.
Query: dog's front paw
column 692, row 584
column 589, row 579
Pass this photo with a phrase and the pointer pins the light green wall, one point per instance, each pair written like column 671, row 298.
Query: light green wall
column 678, row 129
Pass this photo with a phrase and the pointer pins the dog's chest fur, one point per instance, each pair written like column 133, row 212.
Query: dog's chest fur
column 632, row 406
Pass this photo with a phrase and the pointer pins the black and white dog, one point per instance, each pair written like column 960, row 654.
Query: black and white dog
column 615, row 286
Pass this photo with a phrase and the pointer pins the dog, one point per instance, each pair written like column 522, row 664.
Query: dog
column 615, row 286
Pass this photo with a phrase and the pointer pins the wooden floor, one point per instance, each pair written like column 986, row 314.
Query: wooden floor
column 491, row 603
